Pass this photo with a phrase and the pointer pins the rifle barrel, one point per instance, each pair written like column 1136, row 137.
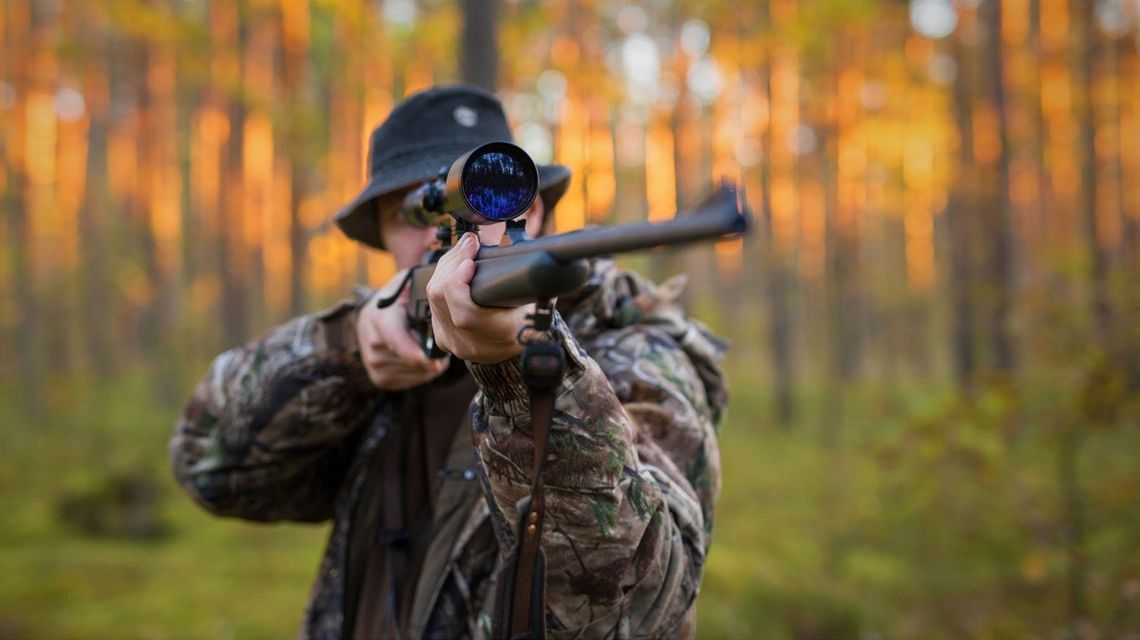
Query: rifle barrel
column 720, row 215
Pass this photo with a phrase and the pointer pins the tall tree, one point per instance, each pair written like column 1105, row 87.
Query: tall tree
column 1037, row 116
column 960, row 213
column 999, row 263
column 22, row 28
column 779, row 283
column 838, row 275
column 148, row 175
column 479, row 50
column 230, row 31
column 94, row 291
column 295, row 71
column 1085, row 59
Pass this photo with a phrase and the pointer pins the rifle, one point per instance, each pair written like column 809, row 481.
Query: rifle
column 538, row 269
column 497, row 182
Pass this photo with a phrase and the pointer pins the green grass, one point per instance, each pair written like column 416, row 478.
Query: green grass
column 876, row 514
column 206, row 577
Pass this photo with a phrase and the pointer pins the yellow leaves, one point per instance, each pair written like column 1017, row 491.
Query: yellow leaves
column 661, row 179
column 596, row 173
column 295, row 26
column 40, row 138
column 213, row 126
column 1015, row 22
column 987, row 143
column 729, row 257
column 564, row 52
column 920, row 270
column 1056, row 89
column 918, row 162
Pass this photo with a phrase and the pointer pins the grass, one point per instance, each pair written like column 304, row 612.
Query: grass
column 874, row 515
column 204, row 577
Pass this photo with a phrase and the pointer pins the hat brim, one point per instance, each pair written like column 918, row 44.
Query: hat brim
column 358, row 219
column 553, row 181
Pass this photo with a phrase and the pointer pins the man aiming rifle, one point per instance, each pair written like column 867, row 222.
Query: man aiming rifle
column 446, row 522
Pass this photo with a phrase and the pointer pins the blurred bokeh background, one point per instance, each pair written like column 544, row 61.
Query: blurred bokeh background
column 936, row 365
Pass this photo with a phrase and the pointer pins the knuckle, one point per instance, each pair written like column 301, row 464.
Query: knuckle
column 464, row 319
column 443, row 342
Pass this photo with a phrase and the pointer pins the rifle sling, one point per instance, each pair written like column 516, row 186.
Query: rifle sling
column 523, row 612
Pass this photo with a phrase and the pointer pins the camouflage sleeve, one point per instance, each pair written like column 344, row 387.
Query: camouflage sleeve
column 633, row 471
column 265, row 436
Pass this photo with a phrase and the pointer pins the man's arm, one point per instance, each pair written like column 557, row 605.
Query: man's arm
column 265, row 436
column 633, row 471
column 629, row 493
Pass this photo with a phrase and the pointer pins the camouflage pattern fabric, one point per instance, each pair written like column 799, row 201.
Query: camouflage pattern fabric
column 279, row 428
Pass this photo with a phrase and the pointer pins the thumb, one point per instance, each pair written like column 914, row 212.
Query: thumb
column 468, row 246
column 394, row 332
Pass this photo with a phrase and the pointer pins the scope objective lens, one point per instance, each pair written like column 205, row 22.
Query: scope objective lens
column 498, row 184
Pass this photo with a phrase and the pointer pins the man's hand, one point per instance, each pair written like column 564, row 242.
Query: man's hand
column 474, row 333
column 393, row 359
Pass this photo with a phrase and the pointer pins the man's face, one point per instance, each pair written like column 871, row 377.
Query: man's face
column 408, row 244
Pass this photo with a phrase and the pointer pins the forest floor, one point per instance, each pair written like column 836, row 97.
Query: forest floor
column 873, row 515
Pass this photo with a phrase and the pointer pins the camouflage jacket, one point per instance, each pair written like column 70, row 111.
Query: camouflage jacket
column 279, row 429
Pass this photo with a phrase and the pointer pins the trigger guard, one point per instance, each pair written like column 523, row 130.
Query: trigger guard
column 384, row 303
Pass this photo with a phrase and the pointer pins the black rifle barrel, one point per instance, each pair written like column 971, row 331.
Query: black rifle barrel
column 719, row 215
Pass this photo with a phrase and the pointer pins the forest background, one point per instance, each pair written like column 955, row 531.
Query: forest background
column 935, row 370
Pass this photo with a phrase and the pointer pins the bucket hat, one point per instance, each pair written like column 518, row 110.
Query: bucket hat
column 423, row 134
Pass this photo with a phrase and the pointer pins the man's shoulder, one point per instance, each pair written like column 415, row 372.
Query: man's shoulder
column 620, row 307
column 614, row 298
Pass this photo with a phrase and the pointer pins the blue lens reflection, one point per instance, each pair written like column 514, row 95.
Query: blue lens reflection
column 499, row 186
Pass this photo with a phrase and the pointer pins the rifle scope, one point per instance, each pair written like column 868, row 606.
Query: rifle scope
column 494, row 182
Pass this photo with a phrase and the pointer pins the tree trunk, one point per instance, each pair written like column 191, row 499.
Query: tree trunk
column 1044, row 182
column 479, row 52
column 295, row 74
column 147, row 161
column 837, row 320
column 1086, row 53
column 20, row 28
column 1000, row 263
column 960, row 213
column 778, row 278
column 95, row 290
column 234, row 316
column 780, row 335
column 840, row 266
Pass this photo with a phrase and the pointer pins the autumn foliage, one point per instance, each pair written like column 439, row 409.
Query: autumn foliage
column 936, row 364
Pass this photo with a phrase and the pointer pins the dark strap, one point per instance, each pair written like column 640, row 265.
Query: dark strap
column 523, row 599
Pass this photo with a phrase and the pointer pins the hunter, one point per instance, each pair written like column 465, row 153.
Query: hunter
column 420, row 463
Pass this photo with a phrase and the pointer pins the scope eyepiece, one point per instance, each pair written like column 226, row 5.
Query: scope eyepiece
column 423, row 206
